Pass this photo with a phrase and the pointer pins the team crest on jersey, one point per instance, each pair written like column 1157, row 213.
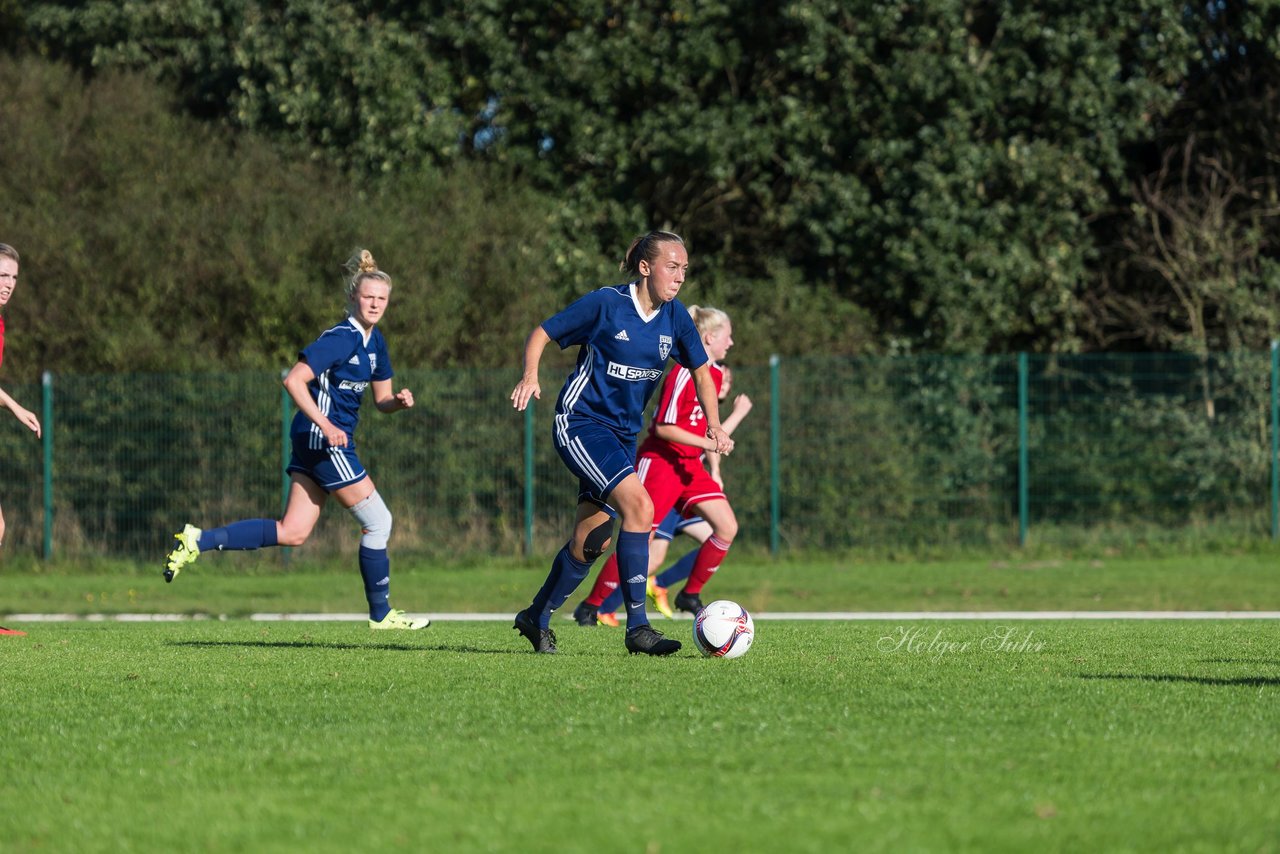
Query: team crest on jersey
column 664, row 346
column 373, row 361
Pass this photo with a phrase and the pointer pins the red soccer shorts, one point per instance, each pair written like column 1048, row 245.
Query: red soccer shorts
column 675, row 482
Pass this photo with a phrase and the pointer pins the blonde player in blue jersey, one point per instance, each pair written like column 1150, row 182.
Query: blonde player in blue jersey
column 327, row 384
column 625, row 334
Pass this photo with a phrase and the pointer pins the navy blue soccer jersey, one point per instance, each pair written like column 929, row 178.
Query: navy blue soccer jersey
column 623, row 354
column 344, row 364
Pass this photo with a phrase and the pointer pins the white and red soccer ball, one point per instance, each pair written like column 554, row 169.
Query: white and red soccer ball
column 723, row 629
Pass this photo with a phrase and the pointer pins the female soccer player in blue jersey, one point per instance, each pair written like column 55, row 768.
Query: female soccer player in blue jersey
column 327, row 384
column 625, row 335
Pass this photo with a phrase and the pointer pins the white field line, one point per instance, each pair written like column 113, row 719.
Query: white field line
column 892, row 616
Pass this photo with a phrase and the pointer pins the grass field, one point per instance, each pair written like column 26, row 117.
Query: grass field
column 236, row 736
column 879, row 736
column 244, row 584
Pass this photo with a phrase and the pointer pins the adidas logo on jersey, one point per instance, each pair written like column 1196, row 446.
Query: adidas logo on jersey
column 622, row 336
column 354, row 360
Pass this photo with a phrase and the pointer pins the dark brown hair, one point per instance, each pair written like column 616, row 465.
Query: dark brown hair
column 645, row 248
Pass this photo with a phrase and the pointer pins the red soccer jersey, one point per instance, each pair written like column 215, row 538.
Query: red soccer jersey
column 678, row 405
column 1, row 338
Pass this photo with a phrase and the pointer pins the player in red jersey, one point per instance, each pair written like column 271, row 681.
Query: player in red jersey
column 598, row 608
column 8, row 283
column 669, row 464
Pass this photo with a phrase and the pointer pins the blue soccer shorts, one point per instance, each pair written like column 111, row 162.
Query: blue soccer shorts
column 596, row 455
column 331, row 468
column 672, row 524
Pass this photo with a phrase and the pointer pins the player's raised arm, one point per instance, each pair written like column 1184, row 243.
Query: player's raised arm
column 741, row 406
column 705, row 387
column 528, row 386
column 391, row 401
column 26, row 416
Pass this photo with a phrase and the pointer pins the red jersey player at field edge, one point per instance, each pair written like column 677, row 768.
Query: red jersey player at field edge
column 8, row 283
column 598, row 608
column 669, row 463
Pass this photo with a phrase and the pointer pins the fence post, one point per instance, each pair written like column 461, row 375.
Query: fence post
column 1275, row 440
column 1023, row 508
column 46, row 432
column 528, row 478
column 286, row 412
column 775, row 433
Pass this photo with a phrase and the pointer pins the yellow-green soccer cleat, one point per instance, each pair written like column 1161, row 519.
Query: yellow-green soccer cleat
column 657, row 597
column 399, row 620
column 187, row 551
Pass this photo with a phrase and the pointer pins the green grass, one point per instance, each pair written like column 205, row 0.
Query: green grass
column 236, row 736
column 241, row 584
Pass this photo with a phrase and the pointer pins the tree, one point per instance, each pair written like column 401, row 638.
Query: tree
column 960, row 175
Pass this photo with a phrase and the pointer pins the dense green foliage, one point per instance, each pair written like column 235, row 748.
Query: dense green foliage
column 1037, row 736
column 869, row 177
column 155, row 242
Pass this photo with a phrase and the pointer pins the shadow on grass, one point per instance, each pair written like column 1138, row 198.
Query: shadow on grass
column 1247, row 681
column 1274, row 662
column 402, row 647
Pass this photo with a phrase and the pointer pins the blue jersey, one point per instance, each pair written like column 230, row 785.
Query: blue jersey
column 344, row 363
column 623, row 354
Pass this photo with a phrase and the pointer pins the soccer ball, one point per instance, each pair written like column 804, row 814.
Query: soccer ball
column 723, row 629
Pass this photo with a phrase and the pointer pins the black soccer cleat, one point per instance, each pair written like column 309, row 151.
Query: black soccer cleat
column 586, row 614
column 690, row 602
column 543, row 640
column 650, row 641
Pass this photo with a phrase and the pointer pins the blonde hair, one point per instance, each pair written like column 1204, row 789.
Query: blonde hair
column 707, row 319
column 361, row 267
column 8, row 251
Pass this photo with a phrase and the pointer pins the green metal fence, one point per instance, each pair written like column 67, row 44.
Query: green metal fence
column 837, row 453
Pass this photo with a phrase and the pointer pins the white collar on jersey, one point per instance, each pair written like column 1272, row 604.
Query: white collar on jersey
column 365, row 332
column 636, row 302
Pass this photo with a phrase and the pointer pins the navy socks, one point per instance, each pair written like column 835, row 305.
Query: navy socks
column 240, row 536
column 375, row 568
column 678, row 571
column 633, row 572
column 566, row 574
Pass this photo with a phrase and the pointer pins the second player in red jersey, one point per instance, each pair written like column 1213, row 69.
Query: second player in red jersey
column 669, row 463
